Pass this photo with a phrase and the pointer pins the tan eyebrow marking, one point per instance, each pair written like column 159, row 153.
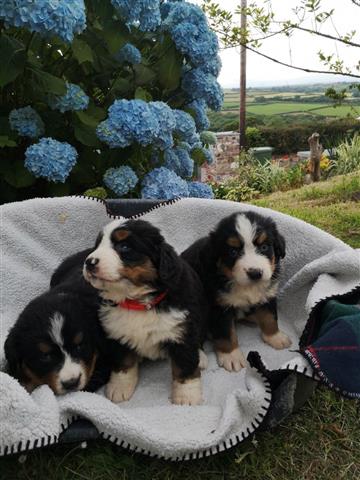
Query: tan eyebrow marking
column 261, row 238
column 234, row 242
column 120, row 234
column 44, row 347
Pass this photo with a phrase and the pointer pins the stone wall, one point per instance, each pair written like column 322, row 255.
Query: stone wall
column 226, row 150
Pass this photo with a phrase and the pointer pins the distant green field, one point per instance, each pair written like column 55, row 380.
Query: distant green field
column 315, row 108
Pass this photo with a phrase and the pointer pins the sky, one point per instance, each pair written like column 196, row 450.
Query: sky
column 300, row 50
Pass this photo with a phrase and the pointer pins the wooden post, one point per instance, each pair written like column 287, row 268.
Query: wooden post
column 242, row 118
column 316, row 150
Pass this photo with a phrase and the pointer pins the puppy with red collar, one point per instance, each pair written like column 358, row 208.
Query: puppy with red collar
column 239, row 265
column 153, row 307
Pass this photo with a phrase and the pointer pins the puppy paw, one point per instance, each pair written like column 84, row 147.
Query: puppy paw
column 121, row 386
column 187, row 393
column 233, row 361
column 279, row 340
column 203, row 362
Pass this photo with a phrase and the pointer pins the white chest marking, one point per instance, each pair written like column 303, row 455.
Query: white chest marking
column 144, row 331
column 244, row 296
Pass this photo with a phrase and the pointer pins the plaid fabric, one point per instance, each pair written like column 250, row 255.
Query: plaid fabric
column 335, row 352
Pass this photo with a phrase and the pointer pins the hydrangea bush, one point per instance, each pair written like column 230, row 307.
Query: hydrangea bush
column 105, row 96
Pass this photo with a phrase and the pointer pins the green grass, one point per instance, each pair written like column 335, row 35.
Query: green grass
column 333, row 206
column 321, row 442
column 279, row 108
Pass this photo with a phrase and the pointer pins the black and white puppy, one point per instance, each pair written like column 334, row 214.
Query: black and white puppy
column 239, row 264
column 153, row 307
column 55, row 340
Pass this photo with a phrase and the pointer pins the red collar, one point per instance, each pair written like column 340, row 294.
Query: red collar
column 130, row 304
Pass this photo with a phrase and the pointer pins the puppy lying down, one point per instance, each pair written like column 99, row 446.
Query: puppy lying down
column 57, row 338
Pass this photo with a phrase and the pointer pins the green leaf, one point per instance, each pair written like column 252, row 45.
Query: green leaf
column 5, row 141
column 13, row 58
column 143, row 75
column 82, row 51
column 121, row 87
column 17, row 175
column 198, row 156
column 87, row 119
column 86, row 135
column 169, row 66
column 48, row 83
column 116, row 35
column 58, row 189
column 142, row 94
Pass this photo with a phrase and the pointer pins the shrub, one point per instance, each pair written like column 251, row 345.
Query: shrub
column 253, row 177
column 234, row 189
column 95, row 91
column 347, row 156
column 254, row 137
column 295, row 138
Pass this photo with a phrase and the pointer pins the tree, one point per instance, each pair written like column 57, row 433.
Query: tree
column 310, row 17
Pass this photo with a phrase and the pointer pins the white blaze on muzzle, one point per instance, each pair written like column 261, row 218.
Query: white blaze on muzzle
column 108, row 262
column 250, row 259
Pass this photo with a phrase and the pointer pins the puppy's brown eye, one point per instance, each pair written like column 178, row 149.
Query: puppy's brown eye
column 233, row 252
column 264, row 248
column 124, row 247
column 46, row 356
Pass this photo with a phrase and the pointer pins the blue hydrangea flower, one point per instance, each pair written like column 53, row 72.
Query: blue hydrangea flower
column 128, row 53
column 162, row 183
column 167, row 123
column 198, row 108
column 129, row 121
column 74, row 99
column 185, row 125
column 179, row 160
column 110, row 134
column 46, row 17
column 143, row 13
column 200, row 85
column 120, row 180
column 50, row 159
column 199, row 44
column 135, row 117
column 212, row 66
column 189, row 29
column 26, row 122
column 200, row 190
column 209, row 154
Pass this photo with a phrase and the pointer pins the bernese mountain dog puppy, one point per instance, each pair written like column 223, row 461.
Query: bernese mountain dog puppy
column 239, row 265
column 153, row 307
column 57, row 338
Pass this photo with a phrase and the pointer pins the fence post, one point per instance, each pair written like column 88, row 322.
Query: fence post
column 316, row 150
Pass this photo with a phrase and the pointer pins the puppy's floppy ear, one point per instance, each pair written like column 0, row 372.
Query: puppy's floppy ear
column 170, row 266
column 279, row 245
column 12, row 355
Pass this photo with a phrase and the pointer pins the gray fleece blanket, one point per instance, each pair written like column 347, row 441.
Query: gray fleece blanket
column 37, row 234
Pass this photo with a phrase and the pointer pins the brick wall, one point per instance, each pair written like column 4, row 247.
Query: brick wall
column 226, row 150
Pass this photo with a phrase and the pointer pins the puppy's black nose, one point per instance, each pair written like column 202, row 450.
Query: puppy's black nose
column 71, row 384
column 91, row 263
column 254, row 273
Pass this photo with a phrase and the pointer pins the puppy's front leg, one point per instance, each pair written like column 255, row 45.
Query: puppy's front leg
column 186, row 377
column 124, row 375
column 228, row 353
column 266, row 317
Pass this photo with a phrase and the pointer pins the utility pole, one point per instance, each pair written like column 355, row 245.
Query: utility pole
column 242, row 119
